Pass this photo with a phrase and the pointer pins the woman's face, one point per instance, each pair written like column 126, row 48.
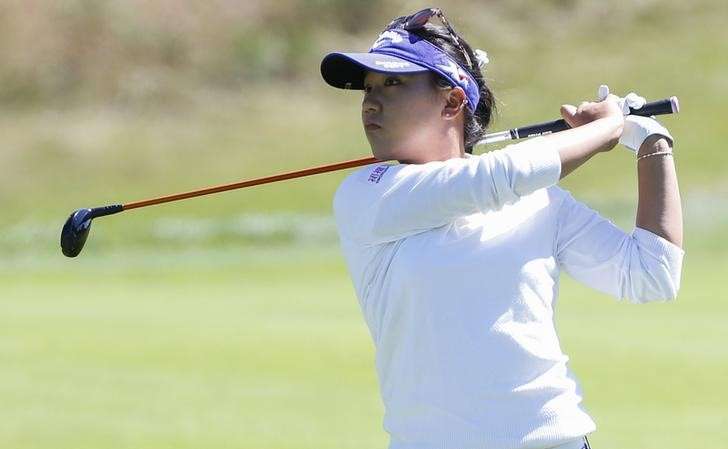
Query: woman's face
column 403, row 115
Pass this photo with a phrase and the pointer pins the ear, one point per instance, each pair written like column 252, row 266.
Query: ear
column 455, row 99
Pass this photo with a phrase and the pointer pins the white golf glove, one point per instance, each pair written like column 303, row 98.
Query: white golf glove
column 636, row 128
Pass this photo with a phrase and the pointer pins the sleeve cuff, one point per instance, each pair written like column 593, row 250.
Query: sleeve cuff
column 659, row 247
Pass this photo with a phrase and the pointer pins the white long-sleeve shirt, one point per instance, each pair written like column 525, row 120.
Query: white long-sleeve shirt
column 456, row 267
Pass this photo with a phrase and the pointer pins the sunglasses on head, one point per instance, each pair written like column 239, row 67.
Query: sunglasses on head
column 418, row 20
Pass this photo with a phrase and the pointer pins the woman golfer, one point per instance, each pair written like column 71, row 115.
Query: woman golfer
column 455, row 258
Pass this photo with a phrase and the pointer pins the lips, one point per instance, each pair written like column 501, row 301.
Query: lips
column 370, row 124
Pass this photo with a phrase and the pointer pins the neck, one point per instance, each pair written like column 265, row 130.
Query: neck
column 448, row 145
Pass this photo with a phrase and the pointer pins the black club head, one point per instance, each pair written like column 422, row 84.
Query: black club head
column 75, row 230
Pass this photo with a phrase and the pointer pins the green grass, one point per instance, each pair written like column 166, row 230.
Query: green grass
column 236, row 348
column 265, row 347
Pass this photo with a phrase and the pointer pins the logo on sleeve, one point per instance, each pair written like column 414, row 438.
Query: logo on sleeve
column 377, row 173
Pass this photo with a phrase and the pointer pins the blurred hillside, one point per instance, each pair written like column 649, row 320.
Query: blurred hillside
column 157, row 51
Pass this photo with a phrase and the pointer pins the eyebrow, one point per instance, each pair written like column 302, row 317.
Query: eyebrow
column 389, row 75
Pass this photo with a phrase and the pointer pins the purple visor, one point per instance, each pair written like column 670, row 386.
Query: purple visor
column 397, row 51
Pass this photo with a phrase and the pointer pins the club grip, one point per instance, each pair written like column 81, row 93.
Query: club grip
column 659, row 107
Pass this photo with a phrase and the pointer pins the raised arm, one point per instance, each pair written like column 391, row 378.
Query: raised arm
column 384, row 203
column 659, row 209
column 647, row 264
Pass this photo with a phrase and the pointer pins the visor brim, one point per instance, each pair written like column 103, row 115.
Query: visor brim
column 347, row 70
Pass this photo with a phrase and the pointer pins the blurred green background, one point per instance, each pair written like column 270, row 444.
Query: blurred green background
column 230, row 321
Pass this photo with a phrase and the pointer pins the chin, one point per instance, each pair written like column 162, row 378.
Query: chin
column 379, row 151
column 379, row 154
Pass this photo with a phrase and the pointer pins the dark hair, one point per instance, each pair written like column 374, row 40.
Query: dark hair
column 475, row 123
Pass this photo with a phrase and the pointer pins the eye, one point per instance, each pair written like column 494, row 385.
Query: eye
column 389, row 81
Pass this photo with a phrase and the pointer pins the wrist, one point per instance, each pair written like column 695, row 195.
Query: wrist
column 654, row 143
column 641, row 134
column 613, row 127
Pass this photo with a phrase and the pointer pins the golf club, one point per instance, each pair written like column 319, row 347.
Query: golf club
column 76, row 228
column 659, row 107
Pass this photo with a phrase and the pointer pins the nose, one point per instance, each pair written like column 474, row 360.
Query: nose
column 370, row 104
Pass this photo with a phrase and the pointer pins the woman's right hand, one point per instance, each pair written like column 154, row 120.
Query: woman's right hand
column 608, row 111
